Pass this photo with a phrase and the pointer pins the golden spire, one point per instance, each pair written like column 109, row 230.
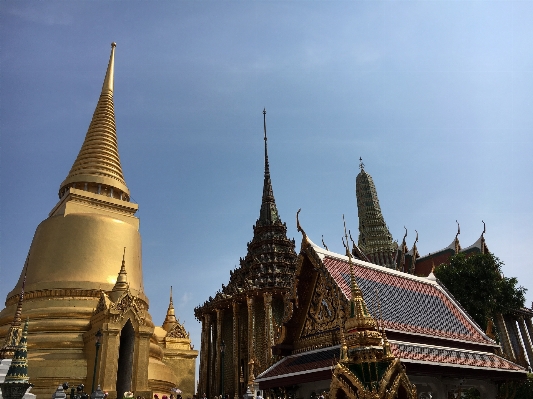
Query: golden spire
column 97, row 167
column 122, row 278
column 359, row 317
column 170, row 319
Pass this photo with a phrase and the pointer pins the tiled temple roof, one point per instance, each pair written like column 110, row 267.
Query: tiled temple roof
column 405, row 300
column 323, row 359
column 302, row 363
column 418, row 353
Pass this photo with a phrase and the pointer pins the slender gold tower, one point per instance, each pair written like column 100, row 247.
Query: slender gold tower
column 74, row 259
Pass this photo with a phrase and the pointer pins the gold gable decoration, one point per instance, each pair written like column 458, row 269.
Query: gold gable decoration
column 116, row 311
column 394, row 384
column 323, row 310
column 178, row 331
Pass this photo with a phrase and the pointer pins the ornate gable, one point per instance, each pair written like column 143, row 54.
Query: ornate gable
column 178, row 331
column 116, row 311
column 323, row 313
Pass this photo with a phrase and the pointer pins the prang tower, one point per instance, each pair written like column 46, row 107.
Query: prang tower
column 84, row 274
column 375, row 239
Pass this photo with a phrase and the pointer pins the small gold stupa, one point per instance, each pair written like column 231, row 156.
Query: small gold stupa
column 72, row 289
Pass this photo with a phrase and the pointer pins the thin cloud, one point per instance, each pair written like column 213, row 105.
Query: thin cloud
column 43, row 16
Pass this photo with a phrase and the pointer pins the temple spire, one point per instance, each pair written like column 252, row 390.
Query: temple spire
column 18, row 370
column 14, row 333
column 122, row 278
column 97, row 168
column 269, row 212
column 170, row 319
column 375, row 239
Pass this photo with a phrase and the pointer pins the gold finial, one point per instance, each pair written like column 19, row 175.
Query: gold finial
column 458, row 229
column 361, row 164
column 110, row 73
column 416, row 239
column 405, row 235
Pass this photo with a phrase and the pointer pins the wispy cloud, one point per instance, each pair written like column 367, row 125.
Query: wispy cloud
column 185, row 299
column 41, row 15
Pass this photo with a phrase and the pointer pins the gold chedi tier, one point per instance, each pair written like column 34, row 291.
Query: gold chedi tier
column 71, row 289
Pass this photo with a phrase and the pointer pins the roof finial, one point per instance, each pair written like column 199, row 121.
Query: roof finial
column 458, row 229
column 484, row 228
column 298, row 226
column 361, row 164
column 348, row 253
column 171, row 302
column 324, row 244
column 416, row 239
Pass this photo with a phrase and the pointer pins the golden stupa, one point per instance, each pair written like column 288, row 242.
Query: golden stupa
column 84, row 274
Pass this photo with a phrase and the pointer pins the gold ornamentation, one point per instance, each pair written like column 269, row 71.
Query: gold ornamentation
column 322, row 314
column 103, row 303
column 125, row 303
column 178, row 331
column 58, row 292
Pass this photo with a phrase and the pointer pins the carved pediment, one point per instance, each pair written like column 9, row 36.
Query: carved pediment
column 323, row 313
column 178, row 331
column 116, row 311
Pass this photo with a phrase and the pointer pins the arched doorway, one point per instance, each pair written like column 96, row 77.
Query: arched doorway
column 125, row 359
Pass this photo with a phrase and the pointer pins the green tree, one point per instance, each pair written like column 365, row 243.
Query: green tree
column 517, row 389
column 478, row 284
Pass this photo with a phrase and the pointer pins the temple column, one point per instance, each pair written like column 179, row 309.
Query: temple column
column 236, row 349
column 251, row 340
column 504, row 338
column 218, row 357
column 515, row 340
column 204, row 355
column 269, row 335
column 212, row 352
column 529, row 326
column 526, row 339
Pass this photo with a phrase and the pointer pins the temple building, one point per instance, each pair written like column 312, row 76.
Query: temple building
column 354, row 329
column 514, row 330
column 83, row 284
column 241, row 323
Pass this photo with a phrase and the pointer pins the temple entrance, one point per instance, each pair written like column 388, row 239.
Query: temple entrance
column 125, row 359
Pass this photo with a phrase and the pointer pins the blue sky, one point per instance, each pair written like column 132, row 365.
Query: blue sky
column 435, row 96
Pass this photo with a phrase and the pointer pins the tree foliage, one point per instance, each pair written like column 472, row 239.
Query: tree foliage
column 517, row 389
column 478, row 284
